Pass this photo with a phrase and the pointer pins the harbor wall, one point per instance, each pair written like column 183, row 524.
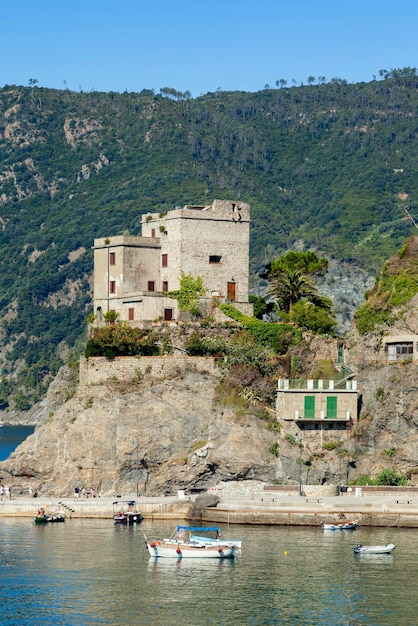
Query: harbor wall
column 267, row 508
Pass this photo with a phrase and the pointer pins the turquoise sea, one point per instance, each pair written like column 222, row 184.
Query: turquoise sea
column 87, row 572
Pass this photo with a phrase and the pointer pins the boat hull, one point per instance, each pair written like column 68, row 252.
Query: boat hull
column 128, row 519
column 352, row 525
column 190, row 551
column 385, row 549
column 49, row 519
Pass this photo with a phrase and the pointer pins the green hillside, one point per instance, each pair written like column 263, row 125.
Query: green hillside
column 333, row 165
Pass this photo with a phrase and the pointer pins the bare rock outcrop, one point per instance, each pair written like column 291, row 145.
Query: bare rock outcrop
column 155, row 436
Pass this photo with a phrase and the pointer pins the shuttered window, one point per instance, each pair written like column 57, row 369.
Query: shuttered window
column 309, row 408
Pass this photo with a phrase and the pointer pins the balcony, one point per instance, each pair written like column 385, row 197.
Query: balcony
column 344, row 416
column 319, row 384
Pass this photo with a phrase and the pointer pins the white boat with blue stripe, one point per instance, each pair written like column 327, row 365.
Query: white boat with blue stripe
column 194, row 542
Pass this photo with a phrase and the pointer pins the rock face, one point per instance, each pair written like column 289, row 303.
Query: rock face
column 158, row 435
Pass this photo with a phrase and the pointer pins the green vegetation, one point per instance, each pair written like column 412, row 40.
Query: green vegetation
column 298, row 300
column 393, row 289
column 278, row 337
column 291, row 438
column 120, row 339
column 290, row 278
column 390, row 477
column 386, row 477
column 331, row 445
column 261, row 307
column 191, row 289
column 380, row 392
column 197, row 445
column 332, row 165
column 274, row 449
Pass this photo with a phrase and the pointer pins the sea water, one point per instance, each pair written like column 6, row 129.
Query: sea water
column 11, row 437
column 86, row 572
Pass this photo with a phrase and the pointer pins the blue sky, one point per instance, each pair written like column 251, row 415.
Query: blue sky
column 202, row 45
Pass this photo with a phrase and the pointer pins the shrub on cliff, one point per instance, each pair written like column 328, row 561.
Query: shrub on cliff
column 121, row 340
column 396, row 285
column 273, row 335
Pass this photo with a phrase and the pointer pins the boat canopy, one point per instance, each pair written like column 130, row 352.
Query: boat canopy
column 199, row 528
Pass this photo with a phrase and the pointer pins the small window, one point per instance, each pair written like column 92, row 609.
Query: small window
column 164, row 260
column 151, row 285
column 112, row 286
column 165, row 285
column 152, row 232
column 112, row 258
column 214, row 258
column 131, row 314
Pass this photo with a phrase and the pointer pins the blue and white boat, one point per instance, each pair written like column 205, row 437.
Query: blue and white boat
column 184, row 543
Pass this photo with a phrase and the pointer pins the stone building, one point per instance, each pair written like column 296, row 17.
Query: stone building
column 401, row 347
column 132, row 274
column 321, row 405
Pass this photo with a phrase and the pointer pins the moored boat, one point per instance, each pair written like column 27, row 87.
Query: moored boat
column 349, row 525
column 387, row 548
column 183, row 544
column 48, row 518
column 125, row 513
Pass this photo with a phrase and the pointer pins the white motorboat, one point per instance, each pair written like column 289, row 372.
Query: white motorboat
column 387, row 548
column 183, row 544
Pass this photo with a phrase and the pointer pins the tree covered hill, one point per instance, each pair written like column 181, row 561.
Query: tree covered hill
column 332, row 165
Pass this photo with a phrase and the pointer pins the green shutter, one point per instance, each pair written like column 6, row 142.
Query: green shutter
column 309, row 406
column 331, row 407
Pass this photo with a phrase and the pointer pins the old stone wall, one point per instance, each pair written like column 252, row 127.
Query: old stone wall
column 99, row 370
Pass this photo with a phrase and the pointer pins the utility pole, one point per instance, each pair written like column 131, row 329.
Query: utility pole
column 299, row 440
column 339, row 450
column 137, row 469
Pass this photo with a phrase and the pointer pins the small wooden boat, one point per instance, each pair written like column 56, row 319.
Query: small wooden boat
column 348, row 525
column 125, row 513
column 387, row 548
column 180, row 545
column 49, row 518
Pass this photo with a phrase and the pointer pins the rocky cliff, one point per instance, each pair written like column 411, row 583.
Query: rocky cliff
column 160, row 434
column 163, row 434
column 168, row 426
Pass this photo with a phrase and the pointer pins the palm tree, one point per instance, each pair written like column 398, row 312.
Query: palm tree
column 291, row 285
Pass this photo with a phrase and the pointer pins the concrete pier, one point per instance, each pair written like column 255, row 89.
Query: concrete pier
column 266, row 507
